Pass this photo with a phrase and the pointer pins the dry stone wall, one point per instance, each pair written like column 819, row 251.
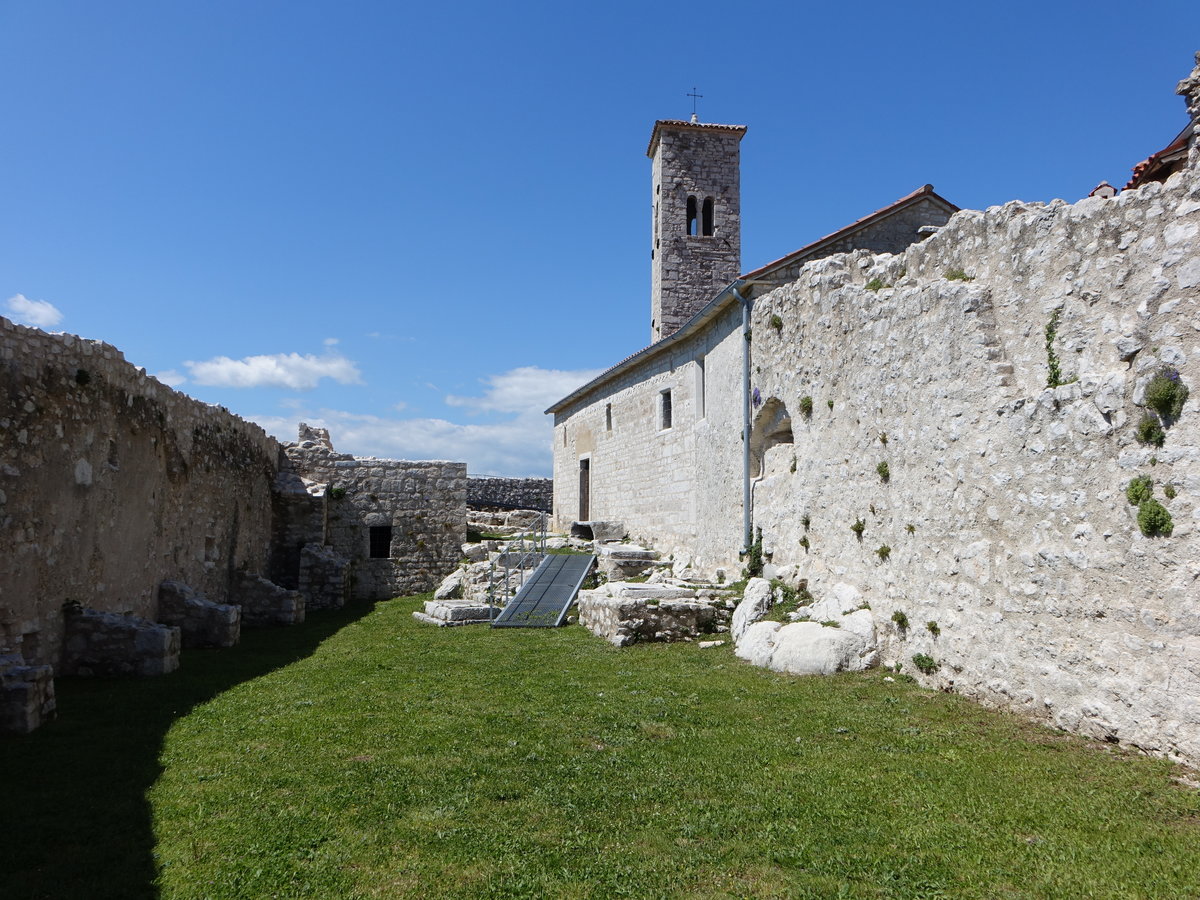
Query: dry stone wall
column 111, row 482
column 492, row 492
column 992, row 505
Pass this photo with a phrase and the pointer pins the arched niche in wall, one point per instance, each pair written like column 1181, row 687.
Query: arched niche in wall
column 772, row 425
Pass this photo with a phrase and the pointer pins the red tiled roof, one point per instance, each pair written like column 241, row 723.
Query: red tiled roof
column 809, row 249
column 1156, row 162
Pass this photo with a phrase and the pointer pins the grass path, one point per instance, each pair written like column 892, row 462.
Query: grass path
column 391, row 759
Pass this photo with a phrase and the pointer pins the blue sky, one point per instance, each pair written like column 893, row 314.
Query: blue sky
column 419, row 226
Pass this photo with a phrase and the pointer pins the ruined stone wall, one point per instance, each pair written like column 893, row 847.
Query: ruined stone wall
column 1004, row 507
column 110, row 483
column 679, row 488
column 425, row 504
column 486, row 491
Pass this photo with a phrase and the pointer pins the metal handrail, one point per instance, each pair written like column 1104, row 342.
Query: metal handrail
column 535, row 553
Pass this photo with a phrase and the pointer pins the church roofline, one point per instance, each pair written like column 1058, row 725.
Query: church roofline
column 916, row 196
column 679, row 124
column 751, row 279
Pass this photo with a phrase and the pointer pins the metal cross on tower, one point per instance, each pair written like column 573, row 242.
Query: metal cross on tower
column 694, row 97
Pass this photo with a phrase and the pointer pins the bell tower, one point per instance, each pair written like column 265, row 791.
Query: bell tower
column 696, row 235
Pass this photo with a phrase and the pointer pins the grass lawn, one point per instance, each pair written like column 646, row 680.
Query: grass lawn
column 364, row 755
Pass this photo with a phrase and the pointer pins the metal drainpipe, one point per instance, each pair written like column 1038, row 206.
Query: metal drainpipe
column 747, row 537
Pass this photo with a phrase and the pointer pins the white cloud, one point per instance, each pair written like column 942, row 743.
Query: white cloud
column 329, row 342
column 286, row 370
column 525, row 390
column 517, row 446
column 33, row 312
column 170, row 378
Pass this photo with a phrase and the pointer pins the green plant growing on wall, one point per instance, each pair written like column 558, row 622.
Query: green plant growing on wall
column 830, row 623
column 858, row 527
column 805, row 521
column 1139, row 489
column 885, row 474
column 1154, row 520
column 1166, row 393
column 876, row 283
column 1150, row 432
column 754, row 557
column 933, row 628
column 958, row 275
column 1054, row 378
column 337, row 493
column 776, row 322
column 900, row 619
column 925, row 663
column 1169, row 490
column 883, row 552
column 806, row 407
column 804, row 543
column 883, row 438
column 830, row 403
column 793, row 467
column 910, row 528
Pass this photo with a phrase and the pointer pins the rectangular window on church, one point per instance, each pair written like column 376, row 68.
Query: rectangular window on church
column 699, row 387
column 666, row 410
column 608, row 417
column 381, row 541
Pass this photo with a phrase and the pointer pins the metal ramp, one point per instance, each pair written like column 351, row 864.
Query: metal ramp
column 544, row 599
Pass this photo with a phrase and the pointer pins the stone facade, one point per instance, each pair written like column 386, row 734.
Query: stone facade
column 416, row 511
column 987, row 507
column 696, row 180
column 493, row 492
column 201, row 622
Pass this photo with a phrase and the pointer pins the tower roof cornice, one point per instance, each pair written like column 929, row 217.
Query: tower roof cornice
column 681, row 125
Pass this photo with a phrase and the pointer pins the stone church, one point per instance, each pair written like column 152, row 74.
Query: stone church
column 654, row 441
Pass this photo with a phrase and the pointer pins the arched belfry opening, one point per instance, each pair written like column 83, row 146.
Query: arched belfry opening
column 706, row 217
column 692, row 221
column 772, row 426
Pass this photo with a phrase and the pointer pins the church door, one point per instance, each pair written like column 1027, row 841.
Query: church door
column 585, row 486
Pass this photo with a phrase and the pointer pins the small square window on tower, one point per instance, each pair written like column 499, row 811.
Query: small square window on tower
column 381, row 541
column 666, row 410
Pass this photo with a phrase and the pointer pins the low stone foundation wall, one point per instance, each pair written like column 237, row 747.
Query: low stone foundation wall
column 26, row 695
column 266, row 603
column 201, row 622
column 625, row 614
column 106, row 644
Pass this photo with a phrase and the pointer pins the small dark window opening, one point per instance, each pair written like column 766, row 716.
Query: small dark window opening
column 381, row 541
column 666, row 410
column 691, row 216
column 708, row 217
column 608, row 417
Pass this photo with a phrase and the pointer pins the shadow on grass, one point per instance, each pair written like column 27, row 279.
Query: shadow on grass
column 73, row 810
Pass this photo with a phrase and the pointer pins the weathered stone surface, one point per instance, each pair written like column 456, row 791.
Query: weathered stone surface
column 620, row 561
column 324, row 578
column 265, row 603
column 624, row 614
column 455, row 612
column 451, row 587
column 805, row 648
column 492, row 492
column 26, row 695
column 201, row 622
column 106, row 644
column 598, row 531
column 756, row 603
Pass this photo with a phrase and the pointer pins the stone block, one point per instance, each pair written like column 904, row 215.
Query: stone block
column 26, row 695
column 266, row 603
column 201, row 622
column 622, row 620
column 107, row 644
